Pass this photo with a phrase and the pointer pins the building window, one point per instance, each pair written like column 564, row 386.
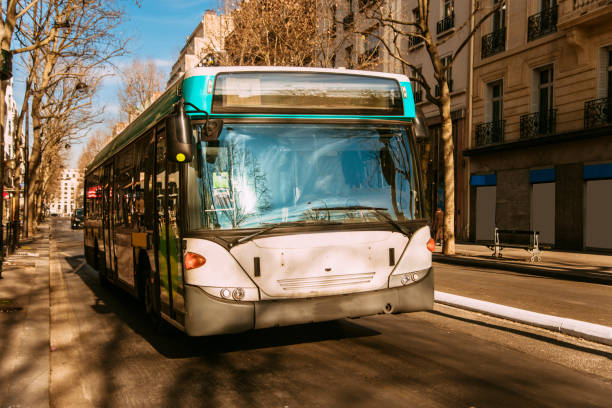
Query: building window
column 496, row 97
column 499, row 17
column 416, row 86
column 371, row 46
column 492, row 131
column 544, row 22
column 542, row 122
column 598, row 112
column 449, row 8
column 495, row 42
column 448, row 16
column 545, row 89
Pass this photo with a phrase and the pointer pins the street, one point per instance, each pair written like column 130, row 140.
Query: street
column 104, row 352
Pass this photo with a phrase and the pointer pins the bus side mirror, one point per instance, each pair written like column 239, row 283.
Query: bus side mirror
column 179, row 136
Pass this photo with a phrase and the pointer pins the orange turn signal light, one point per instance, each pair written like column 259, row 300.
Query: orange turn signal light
column 431, row 245
column 193, row 260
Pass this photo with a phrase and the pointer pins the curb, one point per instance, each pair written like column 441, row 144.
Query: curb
column 576, row 328
column 585, row 276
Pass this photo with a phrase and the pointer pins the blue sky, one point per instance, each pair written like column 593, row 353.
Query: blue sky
column 158, row 29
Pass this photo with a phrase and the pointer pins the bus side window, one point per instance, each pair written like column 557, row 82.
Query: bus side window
column 148, row 166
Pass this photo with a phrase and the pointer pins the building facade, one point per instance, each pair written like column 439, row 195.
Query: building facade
column 64, row 202
column 449, row 26
column 204, row 43
column 540, row 154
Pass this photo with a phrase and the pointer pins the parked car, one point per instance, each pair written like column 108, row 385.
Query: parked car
column 77, row 218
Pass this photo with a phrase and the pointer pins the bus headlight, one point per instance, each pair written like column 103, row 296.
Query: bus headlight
column 226, row 293
column 237, row 294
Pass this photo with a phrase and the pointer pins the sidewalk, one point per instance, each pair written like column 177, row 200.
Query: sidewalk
column 24, row 324
column 589, row 267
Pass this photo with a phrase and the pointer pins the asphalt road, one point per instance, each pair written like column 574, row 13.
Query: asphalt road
column 106, row 354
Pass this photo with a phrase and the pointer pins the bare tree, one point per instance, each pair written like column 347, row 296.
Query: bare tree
column 95, row 144
column 64, row 74
column 273, row 32
column 142, row 82
column 404, row 30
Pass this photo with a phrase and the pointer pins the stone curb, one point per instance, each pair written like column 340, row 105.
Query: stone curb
column 582, row 275
column 577, row 328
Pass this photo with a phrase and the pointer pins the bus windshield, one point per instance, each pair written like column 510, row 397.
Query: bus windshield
column 255, row 175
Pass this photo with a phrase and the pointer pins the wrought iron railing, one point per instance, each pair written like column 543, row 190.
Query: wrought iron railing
column 597, row 112
column 538, row 124
column 490, row 133
column 446, row 23
column 494, row 42
column 542, row 23
column 414, row 41
column 348, row 22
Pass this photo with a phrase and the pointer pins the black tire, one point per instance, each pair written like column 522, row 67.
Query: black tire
column 151, row 301
column 101, row 270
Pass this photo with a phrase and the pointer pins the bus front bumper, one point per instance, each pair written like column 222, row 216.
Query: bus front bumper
column 207, row 315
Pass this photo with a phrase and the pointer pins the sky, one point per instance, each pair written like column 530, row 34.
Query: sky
column 158, row 30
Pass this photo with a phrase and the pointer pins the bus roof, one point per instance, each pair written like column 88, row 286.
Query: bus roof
column 208, row 71
column 164, row 104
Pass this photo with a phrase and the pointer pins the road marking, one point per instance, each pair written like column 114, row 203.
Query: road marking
column 576, row 328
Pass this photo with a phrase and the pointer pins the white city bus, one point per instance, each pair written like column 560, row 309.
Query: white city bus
column 252, row 197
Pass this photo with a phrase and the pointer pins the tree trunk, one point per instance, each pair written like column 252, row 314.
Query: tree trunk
column 449, row 171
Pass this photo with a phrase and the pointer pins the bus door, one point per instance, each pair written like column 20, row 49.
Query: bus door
column 107, row 224
column 169, row 252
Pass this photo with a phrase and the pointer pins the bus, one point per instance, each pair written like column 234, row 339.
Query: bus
column 255, row 197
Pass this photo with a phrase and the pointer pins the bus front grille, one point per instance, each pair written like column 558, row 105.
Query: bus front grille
column 326, row 282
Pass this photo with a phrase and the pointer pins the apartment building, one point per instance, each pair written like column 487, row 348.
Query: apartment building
column 540, row 152
column 64, row 202
column 450, row 26
column 206, row 40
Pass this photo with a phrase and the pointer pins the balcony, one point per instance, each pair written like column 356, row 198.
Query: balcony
column 348, row 22
column 414, row 41
column 438, row 92
column 597, row 113
column 490, row 133
column 446, row 24
column 538, row 124
column 591, row 13
column 494, row 43
column 543, row 23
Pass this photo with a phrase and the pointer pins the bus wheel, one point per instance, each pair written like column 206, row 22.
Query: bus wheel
column 101, row 271
column 151, row 303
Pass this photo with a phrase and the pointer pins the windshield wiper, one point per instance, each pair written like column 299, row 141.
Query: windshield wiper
column 377, row 210
column 271, row 227
column 253, row 235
